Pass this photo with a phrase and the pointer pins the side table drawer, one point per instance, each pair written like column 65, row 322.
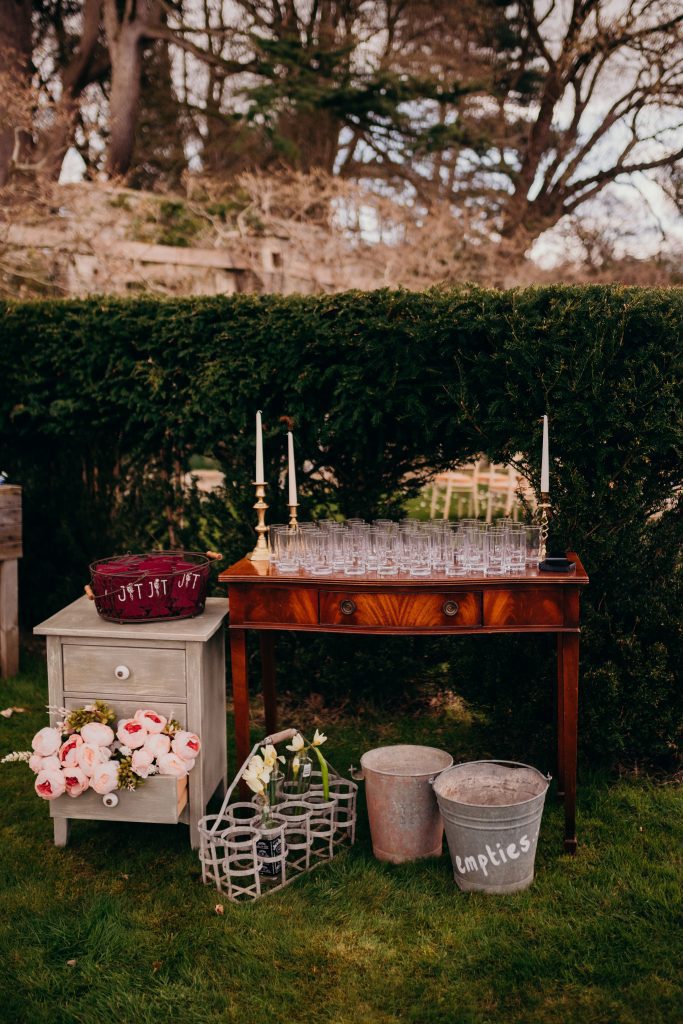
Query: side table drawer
column 449, row 610
column 542, row 606
column 129, row 670
column 273, row 605
column 159, row 800
column 127, row 708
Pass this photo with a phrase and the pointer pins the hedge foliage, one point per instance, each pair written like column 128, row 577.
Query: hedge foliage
column 104, row 402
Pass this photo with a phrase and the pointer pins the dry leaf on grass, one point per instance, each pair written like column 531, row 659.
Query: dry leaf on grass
column 8, row 712
column 219, row 908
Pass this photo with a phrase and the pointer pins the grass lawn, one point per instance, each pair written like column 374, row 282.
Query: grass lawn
column 595, row 939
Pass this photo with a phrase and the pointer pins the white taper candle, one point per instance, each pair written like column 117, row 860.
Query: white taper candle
column 291, row 470
column 259, row 479
column 545, row 460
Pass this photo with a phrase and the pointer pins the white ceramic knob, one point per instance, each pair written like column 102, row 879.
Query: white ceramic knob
column 110, row 800
column 122, row 672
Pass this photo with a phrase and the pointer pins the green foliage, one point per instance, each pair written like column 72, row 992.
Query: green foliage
column 97, row 712
column 127, row 778
column 176, row 225
column 105, row 402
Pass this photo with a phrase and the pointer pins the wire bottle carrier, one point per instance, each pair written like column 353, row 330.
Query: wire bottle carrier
column 246, row 860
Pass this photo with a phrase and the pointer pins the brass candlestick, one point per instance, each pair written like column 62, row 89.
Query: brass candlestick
column 261, row 552
column 545, row 510
column 293, row 523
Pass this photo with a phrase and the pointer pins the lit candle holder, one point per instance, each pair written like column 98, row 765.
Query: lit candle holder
column 292, row 501
column 544, row 505
column 260, row 552
column 259, row 478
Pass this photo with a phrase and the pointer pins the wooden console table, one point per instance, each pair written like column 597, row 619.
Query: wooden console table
column 263, row 599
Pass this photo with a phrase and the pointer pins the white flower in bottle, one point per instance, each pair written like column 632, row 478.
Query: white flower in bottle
column 270, row 756
column 319, row 738
column 297, row 743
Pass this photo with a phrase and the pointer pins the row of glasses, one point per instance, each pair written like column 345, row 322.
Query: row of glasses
column 354, row 548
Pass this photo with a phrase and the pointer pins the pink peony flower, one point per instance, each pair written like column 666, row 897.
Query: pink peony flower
column 105, row 778
column 150, row 720
column 185, row 745
column 157, row 745
column 50, row 783
column 98, row 734
column 76, row 781
column 90, row 756
column 141, row 761
column 171, row 764
column 38, row 764
column 68, row 752
column 47, row 741
column 131, row 733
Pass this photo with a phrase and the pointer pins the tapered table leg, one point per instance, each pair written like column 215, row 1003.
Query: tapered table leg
column 240, row 693
column 560, row 715
column 268, row 680
column 570, row 709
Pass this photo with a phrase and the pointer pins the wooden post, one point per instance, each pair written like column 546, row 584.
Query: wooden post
column 10, row 551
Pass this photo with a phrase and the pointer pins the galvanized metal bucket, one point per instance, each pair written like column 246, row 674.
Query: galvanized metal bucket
column 492, row 814
column 404, row 818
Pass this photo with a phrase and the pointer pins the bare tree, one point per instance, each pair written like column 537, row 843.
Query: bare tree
column 15, row 69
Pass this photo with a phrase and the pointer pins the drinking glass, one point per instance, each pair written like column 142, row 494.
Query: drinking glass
column 474, row 550
column 496, row 552
column 390, row 560
column 441, row 545
column 355, row 554
column 287, row 556
column 376, row 541
column 272, row 542
column 456, row 564
column 420, row 564
column 516, row 542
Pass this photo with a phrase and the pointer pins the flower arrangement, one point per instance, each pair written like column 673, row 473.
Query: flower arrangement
column 262, row 769
column 300, row 762
column 87, row 750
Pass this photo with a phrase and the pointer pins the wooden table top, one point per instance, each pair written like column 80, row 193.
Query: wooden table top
column 246, row 571
column 80, row 618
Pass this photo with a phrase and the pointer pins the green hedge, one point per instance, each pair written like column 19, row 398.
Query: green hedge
column 103, row 403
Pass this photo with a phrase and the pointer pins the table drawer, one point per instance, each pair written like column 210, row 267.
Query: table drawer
column 159, row 800
column 149, row 671
column 392, row 610
column 127, row 708
column 262, row 605
column 542, row 606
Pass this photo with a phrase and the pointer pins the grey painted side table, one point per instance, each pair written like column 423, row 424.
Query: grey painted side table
column 175, row 667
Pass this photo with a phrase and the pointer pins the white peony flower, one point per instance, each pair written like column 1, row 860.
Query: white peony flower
column 105, row 777
column 47, row 741
column 98, row 734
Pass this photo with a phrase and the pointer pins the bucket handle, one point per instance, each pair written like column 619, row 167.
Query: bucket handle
column 497, row 760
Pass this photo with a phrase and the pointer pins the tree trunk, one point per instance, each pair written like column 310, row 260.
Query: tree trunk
column 87, row 63
column 15, row 71
column 126, row 71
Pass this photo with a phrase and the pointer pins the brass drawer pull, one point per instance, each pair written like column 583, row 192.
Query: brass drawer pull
column 347, row 606
column 450, row 608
